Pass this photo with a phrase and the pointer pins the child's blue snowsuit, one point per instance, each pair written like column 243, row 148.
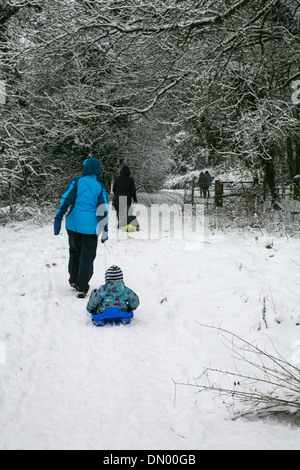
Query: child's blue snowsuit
column 112, row 294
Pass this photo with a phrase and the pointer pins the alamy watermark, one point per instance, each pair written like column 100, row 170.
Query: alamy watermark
column 296, row 93
column 2, row 92
column 158, row 221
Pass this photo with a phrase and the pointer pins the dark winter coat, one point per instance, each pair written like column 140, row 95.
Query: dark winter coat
column 124, row 186
column 208, row 178
column 202, row 181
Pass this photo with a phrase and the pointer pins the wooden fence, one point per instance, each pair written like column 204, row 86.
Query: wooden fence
column 221, row 190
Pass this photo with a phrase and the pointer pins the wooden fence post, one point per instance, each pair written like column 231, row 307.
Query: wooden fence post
column 296, row 191
column 193, row 192
column 218, row 193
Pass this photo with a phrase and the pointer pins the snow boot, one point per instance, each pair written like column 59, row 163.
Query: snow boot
column 81, row 295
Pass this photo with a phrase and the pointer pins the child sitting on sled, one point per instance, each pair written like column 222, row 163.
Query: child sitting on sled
column 112, row 294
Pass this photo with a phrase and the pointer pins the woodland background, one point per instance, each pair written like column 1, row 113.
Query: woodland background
column 166, row 86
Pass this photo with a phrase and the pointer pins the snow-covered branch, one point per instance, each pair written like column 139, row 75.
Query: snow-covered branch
column 263, row 385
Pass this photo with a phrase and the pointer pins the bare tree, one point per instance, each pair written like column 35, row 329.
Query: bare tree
column 85, row 77
column 263, row 384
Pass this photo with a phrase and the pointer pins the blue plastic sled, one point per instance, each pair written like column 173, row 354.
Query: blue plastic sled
column 112, row 314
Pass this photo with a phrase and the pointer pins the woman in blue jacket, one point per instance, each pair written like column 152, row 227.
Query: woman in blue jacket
column 87, row 201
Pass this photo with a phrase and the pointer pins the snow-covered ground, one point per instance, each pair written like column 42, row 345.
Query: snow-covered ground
column 66, row 384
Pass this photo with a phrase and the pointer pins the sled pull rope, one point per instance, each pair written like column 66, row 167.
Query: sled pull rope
column 105, row 248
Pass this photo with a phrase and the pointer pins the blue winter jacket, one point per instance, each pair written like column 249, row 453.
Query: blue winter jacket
column 87, row 201
column 208, row 178
column 112, row 294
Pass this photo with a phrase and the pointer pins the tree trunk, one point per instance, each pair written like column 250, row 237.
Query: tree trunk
column 270, row 174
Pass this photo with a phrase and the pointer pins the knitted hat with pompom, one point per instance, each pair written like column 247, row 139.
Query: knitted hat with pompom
column 114, row 273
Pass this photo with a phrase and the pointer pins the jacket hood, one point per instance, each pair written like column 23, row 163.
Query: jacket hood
column 117, row 287
column 92, row 166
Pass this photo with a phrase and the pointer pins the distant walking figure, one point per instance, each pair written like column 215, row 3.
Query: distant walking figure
column 124, row 195
column 202, row 182
column 209, row 181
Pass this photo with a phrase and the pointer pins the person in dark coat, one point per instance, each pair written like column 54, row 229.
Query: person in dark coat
column 124, row 195
column 209, row 180
column 202, row 182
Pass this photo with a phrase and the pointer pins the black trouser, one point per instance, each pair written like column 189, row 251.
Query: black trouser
column 203, row 190
column 82, row 251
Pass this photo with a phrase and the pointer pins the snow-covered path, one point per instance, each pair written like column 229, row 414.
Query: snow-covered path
column 66, row 384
